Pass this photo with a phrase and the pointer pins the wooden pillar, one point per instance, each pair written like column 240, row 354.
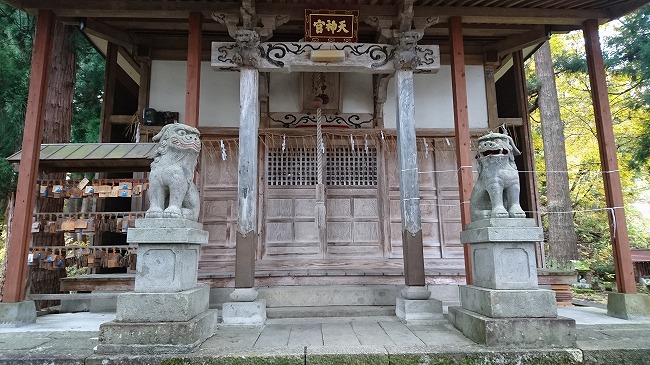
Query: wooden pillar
column 491, row 96
column 529, row 179
column 461, row 127
column 249, row 121
column 407, row 160
column 608, row 160
column 193, row 85
column 138, row 203
column 110, row 79
column 16, row 279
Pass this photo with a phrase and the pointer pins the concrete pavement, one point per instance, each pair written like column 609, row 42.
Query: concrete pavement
column 71, row 339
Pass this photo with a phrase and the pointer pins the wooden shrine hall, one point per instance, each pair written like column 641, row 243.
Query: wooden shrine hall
column 349, row 159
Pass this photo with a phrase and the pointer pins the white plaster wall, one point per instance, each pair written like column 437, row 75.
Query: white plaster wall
column 434, row 103
column 284, row 92
column 219, row 100
column 356, row 93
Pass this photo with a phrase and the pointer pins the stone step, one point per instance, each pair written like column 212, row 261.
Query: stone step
column 334, row 295
column 331, row 311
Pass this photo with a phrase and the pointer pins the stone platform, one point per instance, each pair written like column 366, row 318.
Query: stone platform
column 69, row 338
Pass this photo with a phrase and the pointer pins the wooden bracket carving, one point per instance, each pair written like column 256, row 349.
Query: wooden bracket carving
column 269, row 24
column 248, row 15
column 249, row 21
column 229, row 20
column 405, row 17
column 422, row 23
column 381, row 92
column 383, row 26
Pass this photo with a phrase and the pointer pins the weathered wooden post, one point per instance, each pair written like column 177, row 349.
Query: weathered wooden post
column 244, row 308
column 414, row 305
column 14, row 309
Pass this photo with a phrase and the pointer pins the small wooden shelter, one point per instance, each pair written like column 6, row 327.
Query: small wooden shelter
column 395, row 138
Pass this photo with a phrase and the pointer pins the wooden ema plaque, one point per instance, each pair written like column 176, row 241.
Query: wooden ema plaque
column 331, row 25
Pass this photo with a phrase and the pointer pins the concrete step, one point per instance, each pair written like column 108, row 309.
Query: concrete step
column 331, row 311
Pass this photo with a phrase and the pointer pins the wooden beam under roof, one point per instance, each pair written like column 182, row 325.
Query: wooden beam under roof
column 537, row 35
column 181, row 9
column 107, row 32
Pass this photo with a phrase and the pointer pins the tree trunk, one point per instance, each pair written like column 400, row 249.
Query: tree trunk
column 9, row 217
column 562, row 240
column 58, row 120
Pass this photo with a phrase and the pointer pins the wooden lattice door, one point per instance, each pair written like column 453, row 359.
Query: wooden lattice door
column 351, row 198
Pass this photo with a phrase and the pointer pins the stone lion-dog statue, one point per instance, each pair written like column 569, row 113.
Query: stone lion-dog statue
column 172, row 193
column 496, row 191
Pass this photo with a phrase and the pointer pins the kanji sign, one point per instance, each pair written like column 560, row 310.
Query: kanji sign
column 331, row 25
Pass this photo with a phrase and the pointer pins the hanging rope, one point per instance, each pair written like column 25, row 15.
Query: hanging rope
column 319, row 99
column 320, row 147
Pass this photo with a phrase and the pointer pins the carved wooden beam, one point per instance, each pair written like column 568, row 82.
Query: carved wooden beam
column 295, row 57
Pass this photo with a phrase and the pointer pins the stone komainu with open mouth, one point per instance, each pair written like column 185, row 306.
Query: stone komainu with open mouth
column 496, row 191
column 172, row 193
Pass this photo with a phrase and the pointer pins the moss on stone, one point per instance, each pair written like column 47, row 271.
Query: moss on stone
column 551, row 357
column 347, row 359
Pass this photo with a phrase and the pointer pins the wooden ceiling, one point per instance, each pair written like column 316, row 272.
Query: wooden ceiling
column 490, row 27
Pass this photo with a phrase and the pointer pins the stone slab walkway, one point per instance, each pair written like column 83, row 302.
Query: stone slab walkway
column 71, row 338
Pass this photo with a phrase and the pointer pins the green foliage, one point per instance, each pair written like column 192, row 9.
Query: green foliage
column 15, row 48
column 628, row 54
column 630, row 121
column 88, row 93
column 16, row 38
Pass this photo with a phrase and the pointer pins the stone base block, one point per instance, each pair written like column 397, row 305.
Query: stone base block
column 74, row 305
column 103, row 305
column 163, row 307
column 166, row 268
column 628, row 306
column 504, row 265
column 158, row 337
column 514, row 332
column 17, row 314
column 244, row 313
column 418, row 311
column 509, row 303
column 167, row 230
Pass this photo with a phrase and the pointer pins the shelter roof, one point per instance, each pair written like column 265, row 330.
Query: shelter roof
column 640, row 255
column 93, row 157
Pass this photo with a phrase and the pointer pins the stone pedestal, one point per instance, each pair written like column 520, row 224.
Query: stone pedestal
column 244, row 313
column 505, row 307
column 168, row 312
column 414, row 306
column 17, row 314
column 628, row 306
column 244, row 309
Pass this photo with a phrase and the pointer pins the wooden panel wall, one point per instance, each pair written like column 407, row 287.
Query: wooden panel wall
column 363, row 222
column 218, row 186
